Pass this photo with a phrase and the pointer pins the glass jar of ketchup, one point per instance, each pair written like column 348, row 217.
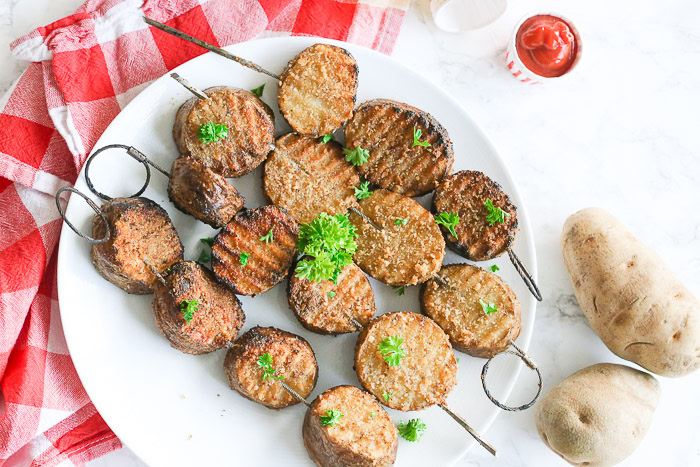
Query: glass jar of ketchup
column 547, row 45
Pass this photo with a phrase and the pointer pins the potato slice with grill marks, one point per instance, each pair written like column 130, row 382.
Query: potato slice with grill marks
column 423, row 377
column 267, row 263
column 307, row 177
column 317, row 89
column 292, row 358
column 251, row 130
column 386, row 128
column 457, row 310
column 365, row 435
column 466, row 193
column 318, row 311
column 399, row 254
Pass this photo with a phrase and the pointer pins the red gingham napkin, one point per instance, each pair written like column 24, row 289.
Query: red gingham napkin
column 85, row 68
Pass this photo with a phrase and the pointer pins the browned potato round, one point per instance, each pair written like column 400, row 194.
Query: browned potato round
column 202, row 193
column 328, row 308
column 423, row 377
column 215, row 323
column 317, row 89
column 247, row 264
column 251, row 130
column 364, row 435
column 292, row 358
column 465, row 193
column 140, row 231
column 307, row 177
column 405, row 253
column 457, row 309
column 385, row 128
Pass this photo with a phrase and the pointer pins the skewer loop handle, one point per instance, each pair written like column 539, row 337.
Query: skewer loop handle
column 94, row 207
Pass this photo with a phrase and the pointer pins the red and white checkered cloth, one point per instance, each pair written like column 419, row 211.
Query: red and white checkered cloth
column 85, row 68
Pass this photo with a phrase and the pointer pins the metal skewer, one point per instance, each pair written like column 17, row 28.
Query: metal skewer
column 525, row 274
column 186, row 84
column 210, row 47
column 365, row 217
column 295, row 394
column 466, row 426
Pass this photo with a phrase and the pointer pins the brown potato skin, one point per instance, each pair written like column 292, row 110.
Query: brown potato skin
column 307, row 178
column 456, row 309
column 202, row 193
column 398, row 255
column 599, row 415
column 319, row 313
column 633, row 301
column 320, row 73
column 251, row 130
column 298, row 365
column 385, row 128
column 465, row 193
column 326, row 451
column 423, row 378
column 268, row 264
column 135, row 223
column 214, row 325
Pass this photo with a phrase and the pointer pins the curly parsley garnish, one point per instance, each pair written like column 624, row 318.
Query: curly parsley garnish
column 207, row 241
column 494, row 268
column 391, row 349
column 488, row 307
column 401, row 221
column 399, row 290
column 357, row 156
column 188, row 308
column 258, row 91
column 329, row 240
column 362, row 191
column 331, row 418
column 243, row 258
column 416, row 138
column 268, row 237
column 387, row 396
column 495, row 214
column 211, row 132
column 372, row 414
column 331, row 294
column 413, row 430
column 265, row 362
column 327, row 138
column 449, row 220
column 204, row 256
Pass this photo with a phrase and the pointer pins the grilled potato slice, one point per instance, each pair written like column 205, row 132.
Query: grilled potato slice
column 408, row 250
column 247, row 264
column 423, row 377
column 457, row 309
column 328, row 308
column 202, row 193
column 466, row 193
column 317, row 89
column 251, row 130
column 365, row 436
column 215, row 323
column 386, row 129
column 292, row 359
column 140, row 231
column 307, row 177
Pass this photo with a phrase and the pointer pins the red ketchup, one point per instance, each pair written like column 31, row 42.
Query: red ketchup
column 546, row 45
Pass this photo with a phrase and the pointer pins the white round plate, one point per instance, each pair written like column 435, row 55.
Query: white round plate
column 174, row 409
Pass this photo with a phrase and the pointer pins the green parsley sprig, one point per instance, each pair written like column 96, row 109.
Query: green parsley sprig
column 189, row 308
column 362, row 191
column 327, row 138
column 210, row 132
column 258, row 91
column 494, row 268
column 399, row 289
column 331, row 418
column 392, row 351
column 494, row 214
column 204, row 256
column 331, row 294
column 243, row 258
column 265, row 362
column 449, row 220
column 357, row 156
column 416, row 138
column 488, row 307
column 413, row 430
column 401, row 222
column 329, row 240
column 387, row 396
column 268, row 237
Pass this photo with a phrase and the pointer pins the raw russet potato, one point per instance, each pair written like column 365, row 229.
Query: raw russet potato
column 637, row 306
column 599, row 415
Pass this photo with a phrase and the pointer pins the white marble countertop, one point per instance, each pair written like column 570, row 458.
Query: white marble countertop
column 623, row 134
